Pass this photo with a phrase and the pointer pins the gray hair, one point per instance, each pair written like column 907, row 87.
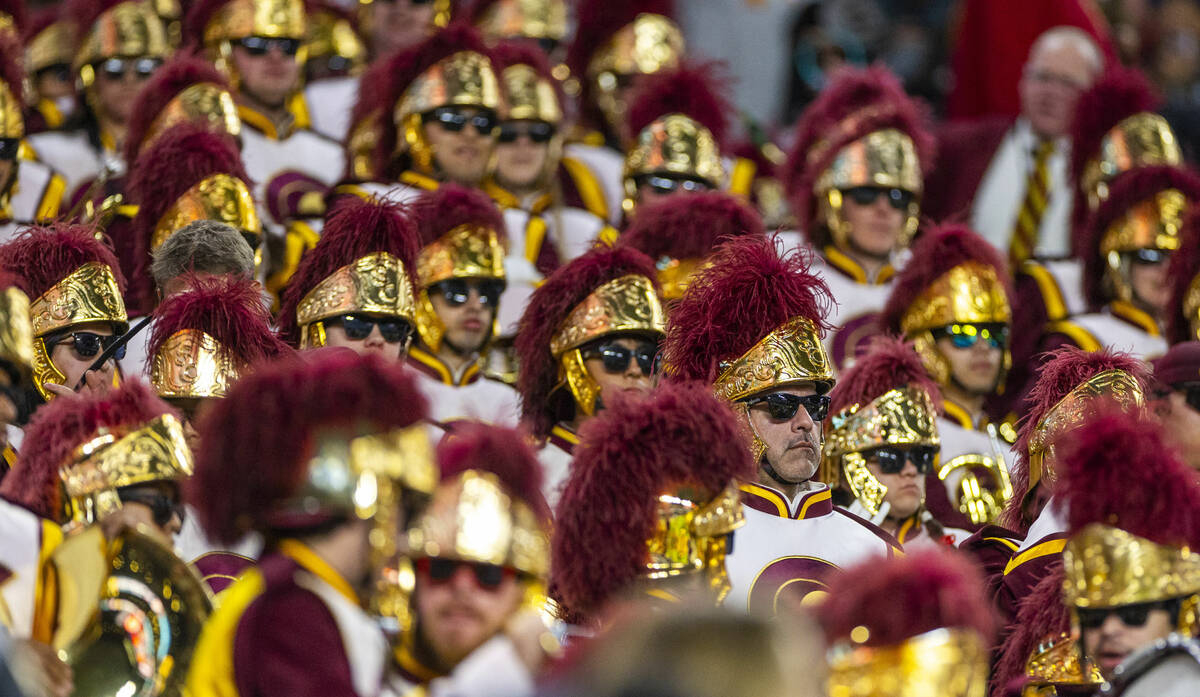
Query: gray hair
column 1079, row 39
column 206, row 246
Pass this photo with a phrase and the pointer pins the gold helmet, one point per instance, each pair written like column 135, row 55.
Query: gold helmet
column 106, row 29
column 332, row 38
column 531, row 93
column 12, row 119
column 218, row 24
column 525, row 19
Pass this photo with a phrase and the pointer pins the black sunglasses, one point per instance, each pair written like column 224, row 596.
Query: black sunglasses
column 454, row 119
column 262, row 45
column 1130, row 615
column 163, row 507
column 616, row 357
column 118, row 68
column 89, row 344
column 358, row 327
column 965, row 335
column 892, row 460
column 668, row 185
column 866, row 195
column 9, row 148
column 782, row 406
column 1149, row 256
column 59, row 71
column 457, row 291
column 537, row 131
column 439, row 570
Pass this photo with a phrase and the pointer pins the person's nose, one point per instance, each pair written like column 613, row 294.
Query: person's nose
column 802, row 421
column 375, row 338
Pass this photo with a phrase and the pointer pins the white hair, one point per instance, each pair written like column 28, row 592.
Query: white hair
column 1077, row 38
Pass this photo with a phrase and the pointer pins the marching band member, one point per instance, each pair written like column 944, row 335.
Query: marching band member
column 750, row 325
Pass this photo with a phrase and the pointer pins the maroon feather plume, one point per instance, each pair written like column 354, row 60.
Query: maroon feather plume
column 441, row 210
column 45, row 254
column 1127, row 190
column 1117, row 469
column 181, row 72
column 504, row 452
column 1041, row 615
column 39, row 21
column 697, row 90
column 353, row 229
column 230, row 310
column 938, row 250
column 902, row 597
column 888, row 363
column 371, row 106
column 405, row 66
column 80, row 15
column 1185, row 266
column 257, row 441
column 747, row 291
column 19, row 12
column 858, row 101
column 548, row 307
column 196, row 19
column 63, row 425
column 629, row 454
column 510, row 52
column 689, row 226
column 1063, row 370
column 1120, row 93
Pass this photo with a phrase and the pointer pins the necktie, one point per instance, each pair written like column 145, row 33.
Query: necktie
column 1037, row 196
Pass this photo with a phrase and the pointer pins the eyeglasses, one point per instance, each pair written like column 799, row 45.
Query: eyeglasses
column 457, row 291
column 1130, row 615
column 782, row 406
column 454, row 119
column 89, row 344
column 487, row 576
column 262, row 45
column 161, row 506
column 1149, row 256
column 964, row 336
column 9, row 148
column 866, row 195
column 59, row 71
column 359, row 327
column 616, row 357
column 536, row 131
column 119, row 68
column 892, row 460
column 665, row 186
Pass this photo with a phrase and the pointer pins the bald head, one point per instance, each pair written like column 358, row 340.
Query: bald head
column 1063, row 62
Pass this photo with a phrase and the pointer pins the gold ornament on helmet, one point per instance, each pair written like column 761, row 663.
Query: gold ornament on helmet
column 375, row 284
column 1152, row 223
column 221, row 197
column 1106, row 566
column 1142, row 140
column 16, row 331
column 88, row 294
column 1070, row 411
column 903, row 416
column 204, row 103
column 129, row 30
column 371, row 477
column 648, row 44
column 970, row 293
column 467, row 251
column 675, row 275
column 192, row 364
column 625, row 305
column 674, row 144
column 886, row 158
column 330, row 35
column 940, row 663
column 531, row 19
column 154, row 452
column 463, row 79
column 691, row 536
column 529, row 96
column 51, row 46
column 1057, row 661
column 238, row 19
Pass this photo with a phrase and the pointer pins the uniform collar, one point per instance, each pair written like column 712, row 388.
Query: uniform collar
column 418, row 180
column 311, row 562
column 910, row 528
column 426, row 362
column 813, row 503
column 1136, row 316
column 842, row 262
column 259, row 121
column 564, row 438
column 506, row 199
column 956, row 413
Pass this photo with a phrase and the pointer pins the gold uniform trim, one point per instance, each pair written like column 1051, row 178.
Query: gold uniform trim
column 205, row 103
column 625, row 304
column 221, row 197
column 129, row 29
column 968, row 293
column 467, row 251
column 376, row 283
column 239, row 19
column 790, row 354
column 947, row 662
column 156, row 451
column 88, row 294
column 674, row 144
column 472, row 517
column 1142, row 140
column 1106, row 566
column 1070, row 411
column 534, row 19
column 902, row 416
column 529, row 96
column 192, row 364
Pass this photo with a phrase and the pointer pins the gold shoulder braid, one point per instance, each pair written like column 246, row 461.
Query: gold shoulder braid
column 376, row 283
column 939, row 663
column 192, row 364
